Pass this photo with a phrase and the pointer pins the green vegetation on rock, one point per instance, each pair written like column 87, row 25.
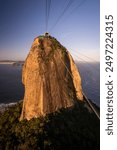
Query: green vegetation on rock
column 69, row 129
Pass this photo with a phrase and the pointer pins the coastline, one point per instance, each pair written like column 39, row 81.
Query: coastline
column 5, row 106
column 6, row 63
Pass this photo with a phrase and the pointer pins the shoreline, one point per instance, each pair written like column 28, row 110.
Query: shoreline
column 7, row 63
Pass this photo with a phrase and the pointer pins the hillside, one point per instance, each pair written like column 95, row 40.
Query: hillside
column 70, row 129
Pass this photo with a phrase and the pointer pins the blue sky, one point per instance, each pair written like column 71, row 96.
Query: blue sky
column 22, row 20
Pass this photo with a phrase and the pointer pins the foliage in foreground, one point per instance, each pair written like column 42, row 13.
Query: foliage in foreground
column 69, row 129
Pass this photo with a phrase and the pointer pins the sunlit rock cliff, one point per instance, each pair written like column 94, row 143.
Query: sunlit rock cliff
column 50, row 77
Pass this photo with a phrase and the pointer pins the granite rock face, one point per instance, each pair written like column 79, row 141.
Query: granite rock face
column 50, row 77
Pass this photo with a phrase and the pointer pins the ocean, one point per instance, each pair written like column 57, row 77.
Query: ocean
column 12, row 90
column 90, row 75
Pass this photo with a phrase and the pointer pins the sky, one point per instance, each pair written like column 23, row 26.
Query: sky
column 78, row 29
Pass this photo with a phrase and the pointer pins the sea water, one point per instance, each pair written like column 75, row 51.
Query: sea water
column 12, row 89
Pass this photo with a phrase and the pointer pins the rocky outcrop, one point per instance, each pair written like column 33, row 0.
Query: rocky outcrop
column 50, row 77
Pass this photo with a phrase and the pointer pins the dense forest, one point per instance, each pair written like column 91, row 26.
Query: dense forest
column 67, row 129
